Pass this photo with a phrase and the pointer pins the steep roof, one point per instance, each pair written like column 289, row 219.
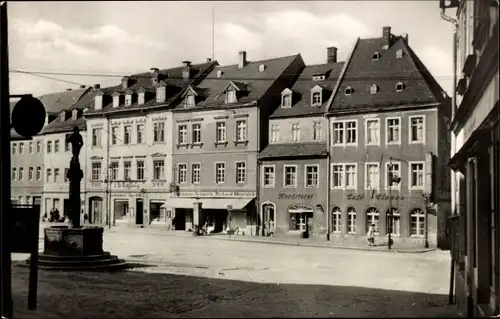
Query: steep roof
column 58, row 126
column 275, row 151
column 171, row 78
column 419, row 87
column 301, row 90
column 252, row 84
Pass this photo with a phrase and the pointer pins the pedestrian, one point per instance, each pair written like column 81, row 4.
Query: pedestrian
column 271, row 227
column 371, row 235
column 56, row 215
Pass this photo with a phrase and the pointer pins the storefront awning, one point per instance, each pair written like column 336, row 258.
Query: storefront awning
column 208, row 203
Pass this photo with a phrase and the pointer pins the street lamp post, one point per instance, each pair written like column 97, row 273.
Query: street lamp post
column 108, row 186
column 392, row 179
column 426, row 214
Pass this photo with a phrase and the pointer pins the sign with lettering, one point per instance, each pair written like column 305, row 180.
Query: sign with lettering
column 374, row 196
column 294, row 196
column 125, row 185
column 217, row 194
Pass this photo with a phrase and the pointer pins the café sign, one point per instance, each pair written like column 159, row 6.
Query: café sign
column 374, row 196
column 200, row 194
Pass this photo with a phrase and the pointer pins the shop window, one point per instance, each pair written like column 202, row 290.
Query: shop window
column 299, row 216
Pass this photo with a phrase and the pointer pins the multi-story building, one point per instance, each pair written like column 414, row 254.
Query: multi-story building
column 387, row 121
column 28, row 154
column 293, row 166
column 476, row 158
column 57, row 157
column 129, row 169
column 219, row 128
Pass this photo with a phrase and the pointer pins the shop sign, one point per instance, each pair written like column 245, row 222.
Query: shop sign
column 216, row 194
column 374, row 196
column 295, row 196
column 125, row 185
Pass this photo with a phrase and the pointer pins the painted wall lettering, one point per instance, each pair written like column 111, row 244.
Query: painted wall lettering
column 295, row 196
column 374, row 196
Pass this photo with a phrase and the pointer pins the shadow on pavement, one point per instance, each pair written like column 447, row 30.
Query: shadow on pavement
column 133, row 294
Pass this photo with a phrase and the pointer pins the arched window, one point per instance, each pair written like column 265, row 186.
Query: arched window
column 336, row 220
column 393, row 225
column 316, row 98
column 372, row 217
column 351, row 220
column 417, row 223
column 299, row 217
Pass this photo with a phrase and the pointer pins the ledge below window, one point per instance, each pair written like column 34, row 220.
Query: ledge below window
column 186, row 145
column 220, row 143
column 197, row 144
column 241, row 142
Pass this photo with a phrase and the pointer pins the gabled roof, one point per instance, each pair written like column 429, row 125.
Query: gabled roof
column 172, row 79
column 58, row 126
column 254, row 83
column 280, row 150
column 362, row 72
column 301, row 99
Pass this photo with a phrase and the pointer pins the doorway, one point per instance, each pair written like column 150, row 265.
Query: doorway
column 179, row 220
column 300, row 217
column 139, row 212
column 95, row 216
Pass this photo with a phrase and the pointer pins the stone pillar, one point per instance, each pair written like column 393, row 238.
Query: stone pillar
column 75, row 175
column 197, row 207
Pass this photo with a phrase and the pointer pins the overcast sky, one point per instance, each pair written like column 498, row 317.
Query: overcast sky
column 118, row 38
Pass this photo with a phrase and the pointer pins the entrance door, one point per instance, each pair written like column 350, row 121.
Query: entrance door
column 95, row 216
column 300, row 217
column 139, row 212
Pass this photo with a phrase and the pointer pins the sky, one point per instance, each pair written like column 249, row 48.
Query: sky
column 111, row 39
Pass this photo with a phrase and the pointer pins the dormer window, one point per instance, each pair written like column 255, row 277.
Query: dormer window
column 74, row 114
column 190, row 101
column 348, row 90
column 399, row 54
column 373, row 89
column 219, row 73
column 141, row 96
column 375, row 56
column 85, row 110
column 231, row 96
column 317, row 78
column 161, row 93
column 116, row 100
column 62, row 116
column 262, row 67
column 286, row 101
column 317, row 96
column 128, row 99
column 98, row 102
column 399, row 87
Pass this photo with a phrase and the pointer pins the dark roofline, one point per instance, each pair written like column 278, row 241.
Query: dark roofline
column 382, row 109
column 64, row 129
column 319, row 114
column 292, row 157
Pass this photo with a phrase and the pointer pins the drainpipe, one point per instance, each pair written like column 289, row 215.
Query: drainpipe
column 257, row 188
column 328, row 180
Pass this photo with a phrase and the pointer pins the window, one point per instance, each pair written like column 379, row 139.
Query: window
column 196, row 133
column 371, row 175
column 14, row 145
column 183, row 134
column 241, row 172
column 296, row 132
column 38, row 147
column 286, row 101
column 49, row 146
column 336, row 220
column 127, row 134
column 127, row 170
column 56, row 146
column 116, row 101
column 375, row 56
column 66, row 174
column 96, row 171
column 399, row 54
column 417, row 223
column 182, row 171
column 114, row 171
column 351, row 220
column 14, row 170
column 372, row 135
column 21, row 148
column 317, row 131
column 399, row 87
column 348, row 90
column 140, row 170
column 38, row 173
column 275, row 133
column 231, row 96
column 128, row 99
column 30, row 173
column 49, row 175
column 161, row 94
column 21, row 173
column 344, row 176
column 344, row 132
column 141, row 98
column 372, row 218
column 190, row 100
column 159, row 132
column 373, row 89
column 96, row 137
column 290, row 176
column 30, row 147
column 195, row 173
column 140, row 133
column 114, row 135
column 220, row 173
column 394, row 223
column 241, row 131
column 159, row 170
column 417, row 129
column 417, row 175
column 220, row 132
column 56, row 175
column 395, row 169
column 67, row 146
column 393, row 131
column 268, row 176
column 312, row 175
column 316, row 98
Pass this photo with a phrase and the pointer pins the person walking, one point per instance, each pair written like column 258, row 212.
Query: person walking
column 371, row 235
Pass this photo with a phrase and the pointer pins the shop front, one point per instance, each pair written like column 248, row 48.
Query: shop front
column 220, row 210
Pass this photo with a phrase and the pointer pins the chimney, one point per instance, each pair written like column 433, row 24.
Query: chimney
column 82, row 86
column 243, row 59
column 331, row 55
column 209, row 60
column 154, row 75
column 186, row 70
column 405, row 37
column 386, row 35
column 97, row 86
column 125, row 82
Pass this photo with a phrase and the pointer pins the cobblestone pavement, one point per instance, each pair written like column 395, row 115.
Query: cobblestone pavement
column 222, row 278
